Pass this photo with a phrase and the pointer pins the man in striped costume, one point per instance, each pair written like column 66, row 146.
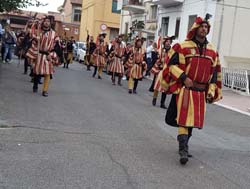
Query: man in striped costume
column 99, row 56
column 139, row 66
column 157, row 71
column 43, row 54
column 194, row 76
column 116, row 67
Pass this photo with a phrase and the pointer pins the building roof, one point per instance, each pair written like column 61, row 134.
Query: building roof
column 30, row 14
column 79, row 2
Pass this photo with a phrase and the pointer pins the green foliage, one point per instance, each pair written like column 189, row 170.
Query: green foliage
column 14, row 5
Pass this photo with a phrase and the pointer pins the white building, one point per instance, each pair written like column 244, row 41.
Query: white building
column 138, row 11
column 229, row 25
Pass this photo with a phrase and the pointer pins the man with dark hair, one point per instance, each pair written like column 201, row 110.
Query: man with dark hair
column 116, row 67
column 157, row 71
column 138, row 66
column 99, row 56
column 69, row 52
column 193, row 73
column 44, row 55
column 91, row 46
column 9, row 39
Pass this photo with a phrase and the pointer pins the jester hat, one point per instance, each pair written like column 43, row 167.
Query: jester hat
column 198, row 22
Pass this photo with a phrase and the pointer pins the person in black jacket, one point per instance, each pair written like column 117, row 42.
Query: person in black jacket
column 91, row 46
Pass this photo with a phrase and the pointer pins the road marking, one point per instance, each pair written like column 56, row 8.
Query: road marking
column 233, row 109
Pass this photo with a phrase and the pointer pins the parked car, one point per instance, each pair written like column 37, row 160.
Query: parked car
column 81, row 54
column 78, row 47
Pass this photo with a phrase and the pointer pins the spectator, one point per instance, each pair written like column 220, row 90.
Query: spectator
column 149, row 57
column 9, row 39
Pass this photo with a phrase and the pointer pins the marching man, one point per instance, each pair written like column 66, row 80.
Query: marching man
column 194, row 76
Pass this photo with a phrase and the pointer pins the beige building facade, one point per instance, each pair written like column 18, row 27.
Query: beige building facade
column 100, row 16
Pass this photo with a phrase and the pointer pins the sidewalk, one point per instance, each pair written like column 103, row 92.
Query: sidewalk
column 235, row 101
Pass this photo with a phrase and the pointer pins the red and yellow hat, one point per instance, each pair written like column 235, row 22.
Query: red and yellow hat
column 198, row 22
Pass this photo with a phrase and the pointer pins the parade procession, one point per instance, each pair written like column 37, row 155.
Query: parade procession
column 149, row 94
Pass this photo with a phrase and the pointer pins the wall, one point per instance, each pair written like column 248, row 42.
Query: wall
column 234, row 39
column 95, row 13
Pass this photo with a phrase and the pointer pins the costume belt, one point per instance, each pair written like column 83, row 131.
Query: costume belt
column 44, row 52
column 199, row 86
column 138, row 63
column 117, row 56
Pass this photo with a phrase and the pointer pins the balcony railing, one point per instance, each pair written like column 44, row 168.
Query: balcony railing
column 167, row 2
column 135, row 6
column 132, row 2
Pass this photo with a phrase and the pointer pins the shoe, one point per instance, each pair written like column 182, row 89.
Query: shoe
column 151, row 90
column 4, row 62
column 45, row 94
column 35, row 90
column 99, row 77
column 183, row 152
column 154, row 101
column 134, row 91
column 93, row 75
column 163, row 106
column 119, row 84
column 130, row 91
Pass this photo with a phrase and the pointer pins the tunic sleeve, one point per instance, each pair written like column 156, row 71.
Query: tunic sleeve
column 215, row 85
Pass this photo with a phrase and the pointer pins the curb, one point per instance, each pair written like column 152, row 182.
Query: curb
column 231, row 108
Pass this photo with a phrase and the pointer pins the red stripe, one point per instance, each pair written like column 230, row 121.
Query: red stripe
column 202, row 109
column 183, row 112
column 196, row 107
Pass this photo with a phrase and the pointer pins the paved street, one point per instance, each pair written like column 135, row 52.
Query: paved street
column 89, row 134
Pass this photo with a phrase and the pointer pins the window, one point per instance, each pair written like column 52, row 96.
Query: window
column 113, row 33
column 191, row 21
column 164, row 26
column 177, row 27
column 76, row 31
column 153, row 12
column 126, row 27
column 77, row 15
column 114, row 7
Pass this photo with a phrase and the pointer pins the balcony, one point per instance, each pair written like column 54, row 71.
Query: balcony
column 166, row 3
column 135, row 6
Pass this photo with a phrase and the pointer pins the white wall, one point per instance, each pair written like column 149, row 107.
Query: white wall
column 125, row 18
column 234, row 42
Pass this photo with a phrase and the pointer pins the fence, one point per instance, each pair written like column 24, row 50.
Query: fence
column 236, row 79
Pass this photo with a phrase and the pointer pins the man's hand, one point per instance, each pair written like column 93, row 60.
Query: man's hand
column 49, row 57
column 188, row 83
column 209, row 98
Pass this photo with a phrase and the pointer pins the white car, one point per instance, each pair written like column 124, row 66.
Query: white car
column 81, row 52
column 79, row 47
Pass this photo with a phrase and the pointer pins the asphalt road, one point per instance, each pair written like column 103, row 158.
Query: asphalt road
column 89, row 134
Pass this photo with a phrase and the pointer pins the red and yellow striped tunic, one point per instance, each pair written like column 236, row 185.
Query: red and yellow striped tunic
column 139, row 65
column 41, row 65
column 99, row 55
column 202, row 66
column 116, row 65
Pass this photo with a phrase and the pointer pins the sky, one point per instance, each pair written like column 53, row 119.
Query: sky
column 52, row 6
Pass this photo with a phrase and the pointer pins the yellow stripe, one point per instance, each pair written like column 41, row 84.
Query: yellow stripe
column 190, row 115
column 179, row 103
column 176, row 71
column 182, row 131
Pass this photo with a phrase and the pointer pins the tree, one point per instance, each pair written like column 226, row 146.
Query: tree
column 14, row 5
